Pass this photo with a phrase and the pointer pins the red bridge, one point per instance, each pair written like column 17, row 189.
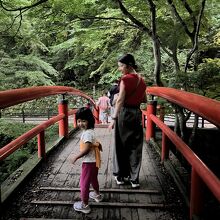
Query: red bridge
column 46, row 186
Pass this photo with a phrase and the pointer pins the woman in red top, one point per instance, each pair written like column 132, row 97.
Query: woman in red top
column 127, row 121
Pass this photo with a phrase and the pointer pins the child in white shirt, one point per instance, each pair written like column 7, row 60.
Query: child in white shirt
column 90, row 152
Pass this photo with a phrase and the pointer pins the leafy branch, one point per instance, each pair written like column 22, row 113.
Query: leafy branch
column 152, row 33
column 196, row 35
column 103, row 18
column 190, row 11
column 196, row 23
column 22, row 8
column 132, row 18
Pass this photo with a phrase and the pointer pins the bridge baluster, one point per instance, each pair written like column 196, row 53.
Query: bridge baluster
column 151, row 109
column 196, row 195
column 41, row 145
column 63, row 124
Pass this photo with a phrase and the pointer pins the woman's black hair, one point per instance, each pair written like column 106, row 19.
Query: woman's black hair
column 129, row 60
column 85, row 113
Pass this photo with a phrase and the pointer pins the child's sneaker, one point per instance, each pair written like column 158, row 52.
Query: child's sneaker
column 96, row 197
column 81, row 207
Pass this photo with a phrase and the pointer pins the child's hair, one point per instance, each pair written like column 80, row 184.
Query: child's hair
column 86, row 114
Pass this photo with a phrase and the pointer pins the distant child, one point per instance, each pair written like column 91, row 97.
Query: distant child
column 104, row 107
column 90, row 152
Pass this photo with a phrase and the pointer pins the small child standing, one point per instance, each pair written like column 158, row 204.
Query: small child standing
column 90, row 151
column 104, row 106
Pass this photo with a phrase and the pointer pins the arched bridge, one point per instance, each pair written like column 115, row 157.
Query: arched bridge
column 46, row 186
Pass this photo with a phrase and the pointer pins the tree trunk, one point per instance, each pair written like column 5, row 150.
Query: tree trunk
column 176, row 61
column 194, row 129
column 157, row 59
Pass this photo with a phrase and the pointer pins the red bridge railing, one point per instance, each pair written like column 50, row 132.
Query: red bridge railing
column 202, row 106
column 206, row 108
column 12, row 97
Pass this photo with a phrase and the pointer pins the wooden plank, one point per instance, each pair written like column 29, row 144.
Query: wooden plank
column 126, row 211
column 104, row 204
column 112, row 190
column 42, row 219
column 59, row 188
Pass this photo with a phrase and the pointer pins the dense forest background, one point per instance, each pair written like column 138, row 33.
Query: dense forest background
column 77, row 43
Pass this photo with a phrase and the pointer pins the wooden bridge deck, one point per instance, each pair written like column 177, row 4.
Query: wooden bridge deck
column 53, row 188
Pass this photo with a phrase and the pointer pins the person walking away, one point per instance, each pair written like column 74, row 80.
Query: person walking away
column 104, row 106
column 127, row 122
column 90, row 152
column 113, row 95
column 114, row 90
column 114, row 157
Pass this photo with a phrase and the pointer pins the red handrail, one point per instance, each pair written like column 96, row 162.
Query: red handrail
column 205, row 107
column 205, row 173
column 15, row 96
column 24, row 138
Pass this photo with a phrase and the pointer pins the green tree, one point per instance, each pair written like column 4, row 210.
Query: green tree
column 83, row 39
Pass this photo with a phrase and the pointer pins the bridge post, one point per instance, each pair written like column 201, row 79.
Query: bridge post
column 151, row 109
column 23, row 115
column 41, row 145
column 74, row 120
column 196, row 194
column 63, row 124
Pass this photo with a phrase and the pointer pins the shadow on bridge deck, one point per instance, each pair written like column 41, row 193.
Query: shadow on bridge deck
column 50, row 192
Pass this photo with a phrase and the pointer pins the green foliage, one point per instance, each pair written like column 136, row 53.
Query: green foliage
column 25, row 71
column 103, row 62
column 10, row 131
column 205, row 81
column 82, row 39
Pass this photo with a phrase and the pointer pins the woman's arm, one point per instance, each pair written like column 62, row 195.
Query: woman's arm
column 120, row 100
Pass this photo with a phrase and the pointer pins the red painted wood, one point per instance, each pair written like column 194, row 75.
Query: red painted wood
column 18, row 142
column 41, row 145
column 63, row 123
column 73, row 112
column 96, row 115
column 197, row 194
column 202, row 106
column 16, row 96
column 203, row 171
column 150, row 131
column 206, row 108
